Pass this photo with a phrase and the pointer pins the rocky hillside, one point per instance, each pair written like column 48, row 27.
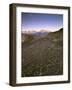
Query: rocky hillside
column 43, row 56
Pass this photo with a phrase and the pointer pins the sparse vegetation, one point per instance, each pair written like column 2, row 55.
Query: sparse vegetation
column 42, row 56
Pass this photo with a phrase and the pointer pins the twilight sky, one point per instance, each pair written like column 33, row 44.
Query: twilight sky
column 38, row 21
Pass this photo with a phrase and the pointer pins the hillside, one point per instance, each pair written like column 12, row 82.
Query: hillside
column 43, row 56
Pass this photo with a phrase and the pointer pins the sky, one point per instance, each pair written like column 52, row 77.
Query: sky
column 38, row 21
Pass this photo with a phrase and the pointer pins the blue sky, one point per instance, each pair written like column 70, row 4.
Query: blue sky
column 38, row 21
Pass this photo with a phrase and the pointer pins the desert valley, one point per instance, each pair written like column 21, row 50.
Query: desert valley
column 42, row 53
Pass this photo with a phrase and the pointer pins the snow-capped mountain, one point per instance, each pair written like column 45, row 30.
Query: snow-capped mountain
column 37, row 33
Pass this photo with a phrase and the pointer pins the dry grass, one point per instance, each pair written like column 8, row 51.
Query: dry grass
column 43, row 56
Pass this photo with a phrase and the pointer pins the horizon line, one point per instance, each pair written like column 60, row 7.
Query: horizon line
column 39, row 30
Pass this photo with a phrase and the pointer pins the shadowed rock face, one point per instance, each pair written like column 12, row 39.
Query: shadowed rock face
column 42, row 56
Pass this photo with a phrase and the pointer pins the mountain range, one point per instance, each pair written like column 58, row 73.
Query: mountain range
column 41, row 32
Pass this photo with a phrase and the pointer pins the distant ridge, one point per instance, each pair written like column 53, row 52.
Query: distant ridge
column 41, row 32
column 35, row 31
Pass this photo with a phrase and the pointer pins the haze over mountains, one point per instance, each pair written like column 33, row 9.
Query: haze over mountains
column 41, row 32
